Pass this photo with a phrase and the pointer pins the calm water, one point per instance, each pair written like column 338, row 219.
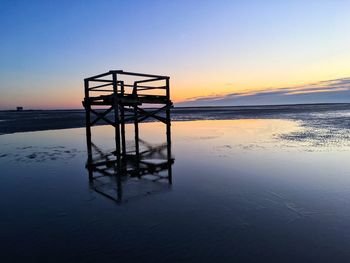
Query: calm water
column 241, row 192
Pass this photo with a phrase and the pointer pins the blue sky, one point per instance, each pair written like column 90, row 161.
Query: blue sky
column 207, row 47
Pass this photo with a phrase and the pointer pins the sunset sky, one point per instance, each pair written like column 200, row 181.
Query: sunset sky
column 210, row 49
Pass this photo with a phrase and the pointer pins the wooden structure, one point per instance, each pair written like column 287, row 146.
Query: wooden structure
column 118, row 97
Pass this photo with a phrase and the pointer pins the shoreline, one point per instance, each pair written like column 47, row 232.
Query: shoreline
column 315, row 115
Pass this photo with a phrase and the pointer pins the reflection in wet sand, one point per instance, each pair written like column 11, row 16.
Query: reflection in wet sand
column 144, row 173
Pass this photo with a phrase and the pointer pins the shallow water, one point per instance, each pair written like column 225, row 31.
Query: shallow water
column 243, row 191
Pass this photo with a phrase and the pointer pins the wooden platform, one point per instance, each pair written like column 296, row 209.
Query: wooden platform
column 125, row 95
column 129, row 99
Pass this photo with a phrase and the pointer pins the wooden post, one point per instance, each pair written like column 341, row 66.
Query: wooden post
column 87, row 107
column 116, row 120
column 122, row 115
column 168, row 131
column 136, row 127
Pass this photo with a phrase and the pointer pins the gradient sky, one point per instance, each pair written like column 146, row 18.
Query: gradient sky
column 209, row 48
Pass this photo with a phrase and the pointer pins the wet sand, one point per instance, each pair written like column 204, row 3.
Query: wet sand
column 328, row 116
column 242, row 190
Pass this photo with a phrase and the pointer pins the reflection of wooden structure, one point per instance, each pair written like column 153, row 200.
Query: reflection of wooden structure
column 151, row 173
column 127, row 97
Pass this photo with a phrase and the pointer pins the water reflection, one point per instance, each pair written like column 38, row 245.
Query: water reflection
column 252, row 203
column 140, row 173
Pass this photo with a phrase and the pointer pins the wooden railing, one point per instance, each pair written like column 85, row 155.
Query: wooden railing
column 113, row 82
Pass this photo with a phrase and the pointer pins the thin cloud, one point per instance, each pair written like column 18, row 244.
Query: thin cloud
column 315, row 91
column 338, row 90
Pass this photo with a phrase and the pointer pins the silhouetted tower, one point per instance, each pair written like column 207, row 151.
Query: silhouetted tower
column 130, row 98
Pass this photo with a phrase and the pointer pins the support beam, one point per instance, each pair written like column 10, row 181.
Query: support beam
column 122, row 115
column 168, row 133
column 88, row 122
column 116, row 120
column 102, row 116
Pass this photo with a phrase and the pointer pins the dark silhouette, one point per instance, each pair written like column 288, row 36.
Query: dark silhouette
column 123, row 95
column 150, row 173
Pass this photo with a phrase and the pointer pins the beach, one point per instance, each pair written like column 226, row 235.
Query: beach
column 322, row 115
column 175, row 131
column 259, row 185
